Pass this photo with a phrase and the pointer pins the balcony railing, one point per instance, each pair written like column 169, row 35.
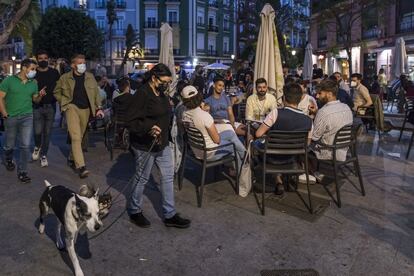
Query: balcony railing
column 226, row 53
column 172, row 0
column 212, row 53
column 118, row 32
column 212, row 28
column 406, row 26
column 213, row 4
column 151, row 51
column 120, row 5
column 151, row 24
column 201, row 24
column 100, row 4
column 322, row 42
column 173, row 22
column 370, row 33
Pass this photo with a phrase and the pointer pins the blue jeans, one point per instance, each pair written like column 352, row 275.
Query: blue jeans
column 164, row 161
column 226, row 137
column 43, row 118
column 18, row 128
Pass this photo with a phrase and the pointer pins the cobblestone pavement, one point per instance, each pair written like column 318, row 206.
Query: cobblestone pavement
column 372, row 235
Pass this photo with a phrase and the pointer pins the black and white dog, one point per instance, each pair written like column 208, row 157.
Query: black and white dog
column 74, row 212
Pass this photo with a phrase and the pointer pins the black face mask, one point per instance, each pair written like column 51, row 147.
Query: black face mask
column 43, row 64
column 163, row 87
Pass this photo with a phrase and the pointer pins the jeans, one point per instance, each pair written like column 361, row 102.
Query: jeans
column 164, row 161
column 229, row 136
column 20, row 128
column 43, row 118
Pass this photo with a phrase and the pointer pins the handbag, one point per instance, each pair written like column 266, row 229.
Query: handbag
column 245, row 177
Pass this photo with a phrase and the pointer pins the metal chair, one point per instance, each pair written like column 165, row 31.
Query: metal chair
column 241, row 111
column 409, row 107
column 345, row 138
column 284, row 143
column 194, row 140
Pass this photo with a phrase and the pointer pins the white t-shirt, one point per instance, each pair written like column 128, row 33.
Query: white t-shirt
column 201, row 121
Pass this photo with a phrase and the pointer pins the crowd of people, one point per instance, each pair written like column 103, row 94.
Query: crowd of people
column 29, row 99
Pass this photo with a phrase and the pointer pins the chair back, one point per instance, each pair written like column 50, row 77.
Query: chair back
column 241, row 112
column 345, row 137
column 194, row 137
column 286, row 142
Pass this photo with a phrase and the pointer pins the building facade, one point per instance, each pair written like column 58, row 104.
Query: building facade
column 203, row 31
column 296, row 27
column 373, row 35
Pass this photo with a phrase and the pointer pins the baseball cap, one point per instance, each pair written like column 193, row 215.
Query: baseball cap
column 189, row 92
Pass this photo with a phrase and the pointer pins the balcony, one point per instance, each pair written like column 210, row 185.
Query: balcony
column 201, row 24
column 173, row 22
column 226, row 53
column 406, row 26
column 152, row 25
column 118, row 32
column 81, row 5
column 151, row 52
column 213, row 4
column 322, row 42
column 100, row 4
column 213, row 29
column 372, row 33
column 212, row 53
column 176, row 52
column 120, row 5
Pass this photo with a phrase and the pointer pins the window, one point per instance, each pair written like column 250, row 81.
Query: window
column 172, row 16
column 226, row 45
column 200, row 41
column 151, row 41
column 151, row 17
column 100, row 22
column 370, row 22
column 211, row 21
column 120, row 23
column 322, row 36
column 226, row 23
column 119, row 48
column 200, row 16
column 405, row 18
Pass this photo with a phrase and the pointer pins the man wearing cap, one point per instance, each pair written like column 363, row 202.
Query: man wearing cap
column 204, row 122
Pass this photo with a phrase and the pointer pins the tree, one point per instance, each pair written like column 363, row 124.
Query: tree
column 131, row 40
column 19, row 18
column 64, row 32
column 342, row 17
column 112, row 18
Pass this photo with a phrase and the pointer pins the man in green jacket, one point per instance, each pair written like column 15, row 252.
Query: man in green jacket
column 78, row 95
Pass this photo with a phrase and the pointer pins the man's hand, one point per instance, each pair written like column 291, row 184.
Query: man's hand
column 312, row 108
column 155, row 131
column 100, row 114
column 42, row 92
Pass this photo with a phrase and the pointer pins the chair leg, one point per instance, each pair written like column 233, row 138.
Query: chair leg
column 358, row 171
column 201, row 188
column 263, row 191
column 338, row 195
column 402, row 129
column 409, row 146
column 308, row 187
column 181, row 173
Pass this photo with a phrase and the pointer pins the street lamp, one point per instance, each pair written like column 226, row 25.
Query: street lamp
column 233, row 57
column 14, row 64
column 293, row 52
column 136, row 53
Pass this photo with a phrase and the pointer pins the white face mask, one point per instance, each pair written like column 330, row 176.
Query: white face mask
column 81, row 68
column 31, row 74
column 354, row 84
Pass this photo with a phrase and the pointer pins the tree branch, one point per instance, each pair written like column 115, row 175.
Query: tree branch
column 15, row 20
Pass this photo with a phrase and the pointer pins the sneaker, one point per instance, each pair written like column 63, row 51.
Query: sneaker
column 177, row 221
column 23, row 177
column 302, row 179
column 139, row 220
column 83, row 172
column 10, row 166
column 319, row 176
column 43, row 162
column 36, row 154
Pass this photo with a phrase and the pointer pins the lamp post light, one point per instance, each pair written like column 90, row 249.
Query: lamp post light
column 136, row 53
column 233, row 57
column 14, row 64
column 293, row 52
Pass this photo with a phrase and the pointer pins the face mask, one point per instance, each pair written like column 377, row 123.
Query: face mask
column 31, row 74
column 43, row 64
column 353, row 84
column 81, row 68
column 163, row 87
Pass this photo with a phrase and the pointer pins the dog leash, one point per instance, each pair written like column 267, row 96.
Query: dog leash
column 122, row 190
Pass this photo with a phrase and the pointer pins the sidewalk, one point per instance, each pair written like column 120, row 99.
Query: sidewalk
column 372, row 235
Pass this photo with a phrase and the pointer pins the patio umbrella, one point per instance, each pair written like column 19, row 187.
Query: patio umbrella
column 166, row 54
column 268, row 63
column 216, row 66
column 307, row 63
column 400, row 60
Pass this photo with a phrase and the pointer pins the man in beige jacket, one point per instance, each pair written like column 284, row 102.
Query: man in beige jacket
column 78, row 95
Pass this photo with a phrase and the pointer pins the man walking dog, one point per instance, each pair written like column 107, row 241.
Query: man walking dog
column 78, row 95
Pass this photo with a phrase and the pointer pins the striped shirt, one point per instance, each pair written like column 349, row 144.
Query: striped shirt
column 329, row 119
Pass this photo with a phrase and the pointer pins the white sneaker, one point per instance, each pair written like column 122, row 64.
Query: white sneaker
column 36, row 154
column 43, row 162
column 319, row 176
column 302, row 178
